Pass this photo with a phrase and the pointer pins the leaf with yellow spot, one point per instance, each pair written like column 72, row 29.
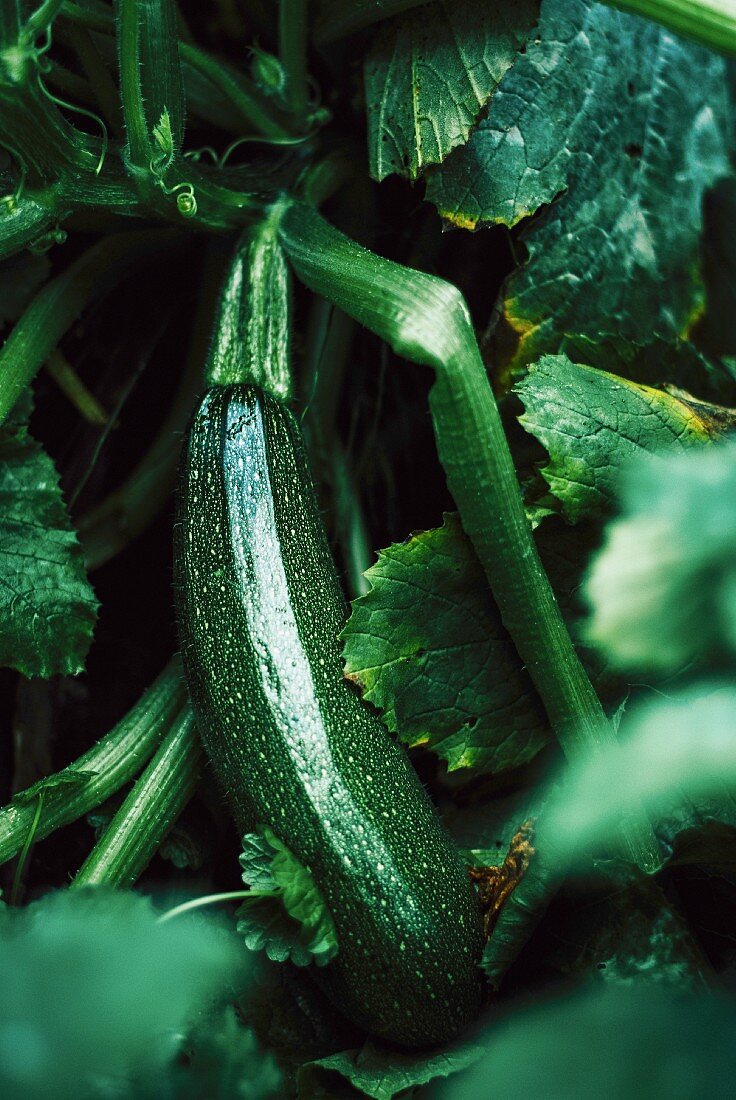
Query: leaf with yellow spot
column 593, row 424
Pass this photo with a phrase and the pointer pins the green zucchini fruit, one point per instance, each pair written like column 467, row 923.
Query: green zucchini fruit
column 260, row 608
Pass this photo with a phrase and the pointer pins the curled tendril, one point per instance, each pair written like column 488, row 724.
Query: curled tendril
column 195, row 155
column 186, row 199
column 57, row 235
column 9, row 203
column 81, row 111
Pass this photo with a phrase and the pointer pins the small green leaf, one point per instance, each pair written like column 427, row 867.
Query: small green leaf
column 69, row 777
column 429, row 74
column 662, row 590
column 382, row 1072
column 593, row 424
column 287, row 917
column 164, row 138
column 47, row 607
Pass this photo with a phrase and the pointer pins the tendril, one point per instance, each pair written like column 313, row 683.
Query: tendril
column 81, row 111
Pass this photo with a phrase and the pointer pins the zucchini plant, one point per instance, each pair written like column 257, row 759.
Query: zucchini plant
column 431, row 307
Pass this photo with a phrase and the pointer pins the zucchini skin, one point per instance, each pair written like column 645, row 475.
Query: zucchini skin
column 260, row 608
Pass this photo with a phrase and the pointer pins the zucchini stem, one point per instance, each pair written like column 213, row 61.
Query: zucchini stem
column 98, row 773
column 137, row 830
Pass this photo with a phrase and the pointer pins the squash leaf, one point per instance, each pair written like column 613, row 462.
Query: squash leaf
column 427, row 647
column 622, row 127
column 47, row 606
column 429, row 73
column 382, row 1072
column 593, row 424
column 662, row 590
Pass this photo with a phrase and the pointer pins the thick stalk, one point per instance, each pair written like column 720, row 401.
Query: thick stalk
column 58, row 304
column 710, row 22
column 139, row 140
column 104, row 769
column 137, row 830
column 425, row 319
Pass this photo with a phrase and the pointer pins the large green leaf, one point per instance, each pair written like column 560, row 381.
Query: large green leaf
column 430, row 72
column 95, row 989
column 625, row 126
column 663, row 588
column 47, row 607
column 678, row 754
column 427, row 647
column 613, row 1043
column 593, row 424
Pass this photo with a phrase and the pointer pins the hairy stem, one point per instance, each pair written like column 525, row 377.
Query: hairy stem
column 100, row 772
column 137, row 830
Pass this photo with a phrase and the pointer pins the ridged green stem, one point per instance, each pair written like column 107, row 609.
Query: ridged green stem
column 137, row 830
column 103, row 770
column 710, row 22
column 139, row 140
column 426, row 319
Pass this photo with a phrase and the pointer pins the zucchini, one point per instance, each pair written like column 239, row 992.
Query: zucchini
column 260, row 608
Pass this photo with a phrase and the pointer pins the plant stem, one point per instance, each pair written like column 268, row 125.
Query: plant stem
column 102, row 771
column 240, row 94
column 252, row 331
column 72, row 386
column 27, row 845
column 426, row 319
column 42, row 17
column 710, row 22
column 293, row 53
column 209, row 899
column 329, row 342
column 137, row 830
column 58, row 304
column 131, row 93
column 236, row 102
